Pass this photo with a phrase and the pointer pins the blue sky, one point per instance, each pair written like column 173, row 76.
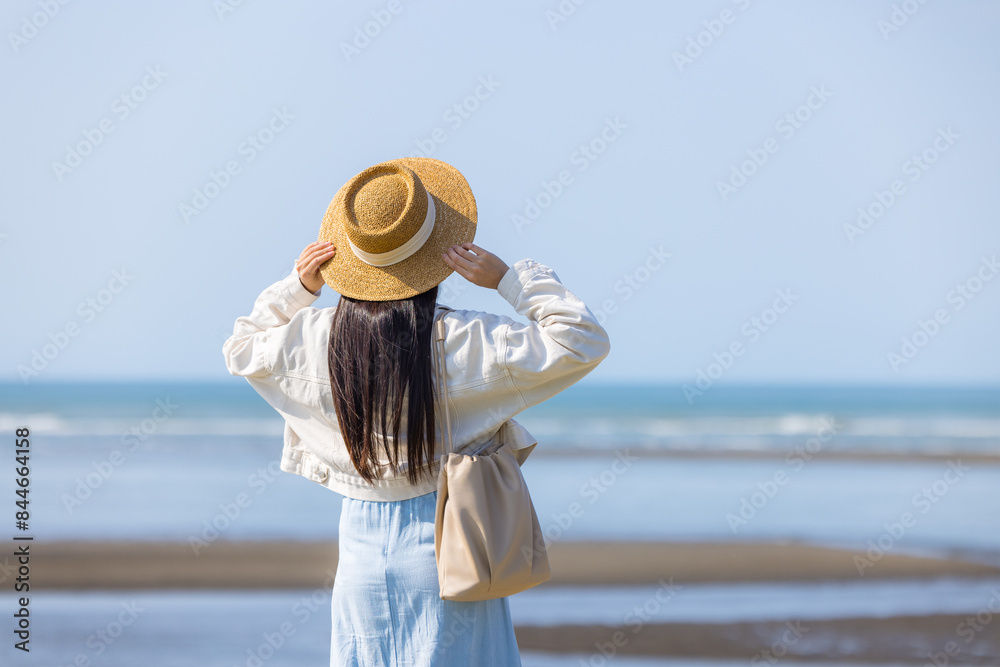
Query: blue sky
column 694, row 171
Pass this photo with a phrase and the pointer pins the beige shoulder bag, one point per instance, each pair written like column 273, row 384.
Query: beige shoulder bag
column 487, row 540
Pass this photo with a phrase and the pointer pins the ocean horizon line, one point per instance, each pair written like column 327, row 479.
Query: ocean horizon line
column 590, row 384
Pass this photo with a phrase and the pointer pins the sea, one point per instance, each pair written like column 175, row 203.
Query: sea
column 826, row 465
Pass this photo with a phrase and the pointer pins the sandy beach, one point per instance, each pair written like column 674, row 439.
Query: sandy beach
column 248, row 565
column 86, row 566
column 895, row 641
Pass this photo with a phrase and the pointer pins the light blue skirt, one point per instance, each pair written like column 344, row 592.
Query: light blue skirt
column 387, row 608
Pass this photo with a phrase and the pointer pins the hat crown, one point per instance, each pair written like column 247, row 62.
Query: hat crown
column 390, row 224
column 385, row 206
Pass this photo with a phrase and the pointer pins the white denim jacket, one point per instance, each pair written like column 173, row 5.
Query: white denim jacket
column 496, row 367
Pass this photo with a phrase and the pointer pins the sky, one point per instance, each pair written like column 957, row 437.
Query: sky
column 742, row 191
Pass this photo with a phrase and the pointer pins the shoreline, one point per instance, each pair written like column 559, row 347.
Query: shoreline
column 81, row 565
column 898, row 640
column 639, row 451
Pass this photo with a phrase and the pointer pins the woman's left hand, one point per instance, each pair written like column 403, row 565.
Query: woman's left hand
column 314, row 256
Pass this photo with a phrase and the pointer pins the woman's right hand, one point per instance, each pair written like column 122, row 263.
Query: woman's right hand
column 478, row 266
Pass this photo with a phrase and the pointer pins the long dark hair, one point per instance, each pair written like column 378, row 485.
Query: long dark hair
column 380, row 354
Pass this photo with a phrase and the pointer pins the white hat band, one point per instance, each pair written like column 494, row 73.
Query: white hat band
column 402, row 252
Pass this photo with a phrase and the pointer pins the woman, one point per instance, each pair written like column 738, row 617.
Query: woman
column 356, row 387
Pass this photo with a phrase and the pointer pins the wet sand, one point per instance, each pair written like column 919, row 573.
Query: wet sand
column 899, row 640
column 256, row 565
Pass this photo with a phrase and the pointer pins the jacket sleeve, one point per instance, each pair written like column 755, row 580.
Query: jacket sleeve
column 562, row 342
column 254, row 346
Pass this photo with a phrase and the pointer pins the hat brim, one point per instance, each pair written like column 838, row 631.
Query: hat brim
column 454, row 223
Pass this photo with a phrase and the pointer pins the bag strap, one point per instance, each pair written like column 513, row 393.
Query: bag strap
column 439, row 335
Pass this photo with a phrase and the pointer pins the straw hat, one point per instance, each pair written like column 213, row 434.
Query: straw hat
column 391, row 223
